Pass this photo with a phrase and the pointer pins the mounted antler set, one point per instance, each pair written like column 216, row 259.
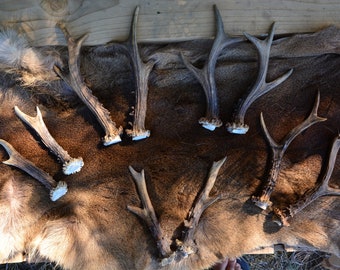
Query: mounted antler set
column 186, row 245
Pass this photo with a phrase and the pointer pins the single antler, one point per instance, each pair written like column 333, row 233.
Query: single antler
column 70, row 165
column 206, row 75
column 321, row 189
column 147, row 213
column 75, row 81
column 57, row 189
column 187, row 245
column 278, row 150
column 260, row 87
column 141, row 71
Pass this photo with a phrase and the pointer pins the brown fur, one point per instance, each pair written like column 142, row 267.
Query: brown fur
column 91, row 228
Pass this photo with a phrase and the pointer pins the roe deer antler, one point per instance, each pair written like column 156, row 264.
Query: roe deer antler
column 321, row 189
column 70, row 165
column 185, row 246
column 147, row 213
column 278, row 150
column 57, row 189
column 141, row 72
column 206, row 75
column 75, row 81
column 261, row 87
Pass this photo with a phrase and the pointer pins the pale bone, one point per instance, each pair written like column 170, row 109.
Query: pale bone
column 141, row 72
column 206, row 75
column 75, row 81
column 321, row 189
column 278, row 150
column 147, row 213
column 185, row 246
column 70, row 165
column 57, row 189
column 261, row 87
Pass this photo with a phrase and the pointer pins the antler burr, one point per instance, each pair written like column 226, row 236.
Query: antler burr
column 261, row 87
column 206, row 75
column 278, row 150
column 75, row 81
column 141, row 71
column 281, row 217
column 57, row 189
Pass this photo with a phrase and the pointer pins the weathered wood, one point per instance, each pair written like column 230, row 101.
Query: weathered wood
column 162, row 20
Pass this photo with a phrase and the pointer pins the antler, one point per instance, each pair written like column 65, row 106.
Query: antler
column 206, row 75
column 278, row 150
column 74, row 80
column 321, row 189
column 261, row 87
column 57, row 189
column 187, row 245
column 147, row 213
column 141, row 72
column 70, row 165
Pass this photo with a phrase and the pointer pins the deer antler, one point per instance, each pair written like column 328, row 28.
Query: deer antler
column 57, row 189
column 70, row 165
column 260, row 87
column 74, row 80
column 321, row 189
column 147, row 213
column 278, row 150
column 187, row 245
column 142, row 72
column 206, row 75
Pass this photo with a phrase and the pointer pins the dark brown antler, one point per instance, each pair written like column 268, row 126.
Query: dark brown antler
column 187, row 246
column 206, row 76
column 261, row 87
column 278, row 150
column 141, row 72
column 321, row 189
column 147, row 213
column 70, row 165
column 74, row 80
column 57, row 189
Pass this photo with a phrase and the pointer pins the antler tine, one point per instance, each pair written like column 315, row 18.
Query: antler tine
column 70, row 165
column 187, row 245
column 278, row 150
column 142, row 72
column 206, row 76
column 75, row 81
column 147, row 213
column 261, row 87
column 57, row 189
column 281, row 217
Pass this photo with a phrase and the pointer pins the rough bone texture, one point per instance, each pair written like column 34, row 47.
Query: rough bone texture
column 91, row 228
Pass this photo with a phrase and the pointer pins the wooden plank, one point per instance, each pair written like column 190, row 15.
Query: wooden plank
column 162, row 20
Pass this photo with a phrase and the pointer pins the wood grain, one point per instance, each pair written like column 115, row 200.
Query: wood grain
column 162, row 20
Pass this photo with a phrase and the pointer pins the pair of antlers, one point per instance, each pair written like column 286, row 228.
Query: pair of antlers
column 70, row 165
column 206, row 77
